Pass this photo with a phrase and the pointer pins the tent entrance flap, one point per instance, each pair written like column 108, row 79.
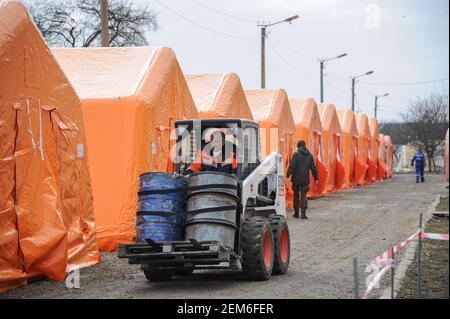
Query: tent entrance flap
column 323, row 176
column 360, row 170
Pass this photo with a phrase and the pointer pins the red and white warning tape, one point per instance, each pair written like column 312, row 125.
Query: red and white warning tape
column 375, row 282
column 435, row 236
column 384, row 262
column 384, row 258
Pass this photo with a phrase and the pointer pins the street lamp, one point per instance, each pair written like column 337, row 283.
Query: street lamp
column 322, row 66
column 104, row 22
column 376, row 102
column 264, row 27
column 353, row 87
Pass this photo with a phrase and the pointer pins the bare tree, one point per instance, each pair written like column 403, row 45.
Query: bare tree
column 397, row 131
column 426, row 123
column 77, row 23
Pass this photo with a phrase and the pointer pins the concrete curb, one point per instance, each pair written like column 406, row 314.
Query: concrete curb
column 408, row 258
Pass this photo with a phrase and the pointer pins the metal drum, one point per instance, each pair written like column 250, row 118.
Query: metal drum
column 160, row 207
column 211, row 207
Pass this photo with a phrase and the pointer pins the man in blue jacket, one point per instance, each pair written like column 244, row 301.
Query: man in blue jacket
column 419, row 158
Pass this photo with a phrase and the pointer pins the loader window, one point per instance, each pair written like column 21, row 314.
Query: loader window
column 186, row 148
column 198, row 138
column 230, row 138
column 249, row 154
column 250, row 148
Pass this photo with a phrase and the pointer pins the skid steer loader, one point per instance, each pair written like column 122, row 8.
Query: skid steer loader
column 261, row 242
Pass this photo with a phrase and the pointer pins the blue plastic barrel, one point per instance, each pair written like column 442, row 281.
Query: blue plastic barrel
column 160, row 207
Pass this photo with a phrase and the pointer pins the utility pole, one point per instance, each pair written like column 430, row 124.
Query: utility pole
column 263, row 56
column 321, row 80
column 353, row 94
column 376, row 107
column 264, row 27
column 322, row 66
column 376, row 103
column 105, row 22
column 353, row 87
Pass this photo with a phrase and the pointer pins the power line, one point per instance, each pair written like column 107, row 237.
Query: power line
column 389, row 84
column 333, row 89
column 202, row 26
column 294, row 50
column 286, row 62
column 404, row 83
column 393, row 107
column 398, row 98
column 223, row 13
column 340, row 78
column 357, row 104
column 390, row 111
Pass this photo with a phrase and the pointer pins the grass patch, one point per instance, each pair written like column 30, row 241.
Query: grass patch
column 443, row 205
column 435, row 265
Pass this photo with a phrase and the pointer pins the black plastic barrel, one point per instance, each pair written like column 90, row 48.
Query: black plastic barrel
column 160, row 207
column 211, row 207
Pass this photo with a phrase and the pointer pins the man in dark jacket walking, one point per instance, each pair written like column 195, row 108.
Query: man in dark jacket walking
column 419, row 158
column 301, row 163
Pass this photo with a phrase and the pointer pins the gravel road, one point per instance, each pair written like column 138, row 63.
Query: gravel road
column 360, row 222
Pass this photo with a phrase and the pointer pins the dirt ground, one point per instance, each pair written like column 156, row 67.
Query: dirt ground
column 361, row 222
column 435, row 262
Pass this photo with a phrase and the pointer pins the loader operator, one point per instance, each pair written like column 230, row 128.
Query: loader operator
column 419, row 158
column 301, row 163
column 216, row 156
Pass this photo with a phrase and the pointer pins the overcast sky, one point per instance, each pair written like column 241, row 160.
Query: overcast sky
column 403, row 41
column 408, row 44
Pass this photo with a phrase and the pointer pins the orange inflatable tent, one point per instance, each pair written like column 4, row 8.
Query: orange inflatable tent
column 332, row 141
column 446, row 151
column 365, row 147
column 382, row 156
column 46, row 212
column 219, row 95
column 308, row 128
column 131, row 98
column 375, row 145
column 271, row 109
column 389, row 156
column 355, row 169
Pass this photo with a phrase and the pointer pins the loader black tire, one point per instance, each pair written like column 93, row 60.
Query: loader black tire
column 282, row 243
column 257, row 248
column 158, row 275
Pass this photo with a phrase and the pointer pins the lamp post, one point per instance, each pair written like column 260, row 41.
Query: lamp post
column 264, row 27
column 354, row 84
column 376, row 102
column 105, row 22
column 322, row 66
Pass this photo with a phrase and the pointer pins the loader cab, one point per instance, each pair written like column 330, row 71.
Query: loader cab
column 242, row 136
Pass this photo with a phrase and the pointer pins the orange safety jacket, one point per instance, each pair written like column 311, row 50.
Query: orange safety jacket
column 207, row 162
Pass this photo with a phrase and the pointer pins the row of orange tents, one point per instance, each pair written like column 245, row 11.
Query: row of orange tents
column 78, row 127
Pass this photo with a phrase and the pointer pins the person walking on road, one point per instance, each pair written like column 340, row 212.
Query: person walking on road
column 419, row 158
column 301, row 164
